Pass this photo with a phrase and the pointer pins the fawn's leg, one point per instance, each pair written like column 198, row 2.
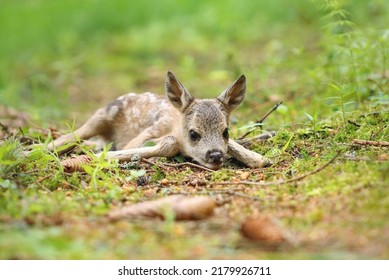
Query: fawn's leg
column 167, row 146
column 160, row 128
column 247, row 157
column 98, row 124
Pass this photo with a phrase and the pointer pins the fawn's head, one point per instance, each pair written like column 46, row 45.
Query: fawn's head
column 204, row 125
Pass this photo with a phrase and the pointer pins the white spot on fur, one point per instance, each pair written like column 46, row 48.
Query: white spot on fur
column 113, row 111
column 136, row 112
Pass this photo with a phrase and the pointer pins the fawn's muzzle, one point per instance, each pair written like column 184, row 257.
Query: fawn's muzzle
column 214, row 156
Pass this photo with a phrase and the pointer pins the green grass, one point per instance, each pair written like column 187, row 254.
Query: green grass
column 326, row 60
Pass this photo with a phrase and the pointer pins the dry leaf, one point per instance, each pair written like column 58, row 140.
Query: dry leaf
column 75, row 163
column 245, row 175
column 265, row 229
column 45, row 220
column 383, row 157
column 183, row 207
column 164, row 181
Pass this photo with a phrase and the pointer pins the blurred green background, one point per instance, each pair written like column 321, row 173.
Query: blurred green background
column 59, row 58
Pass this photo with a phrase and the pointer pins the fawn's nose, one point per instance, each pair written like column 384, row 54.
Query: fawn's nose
column 215, row 156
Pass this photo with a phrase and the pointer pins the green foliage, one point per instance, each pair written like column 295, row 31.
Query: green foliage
column 98, row 167
column 158, row 174
column 10, row 154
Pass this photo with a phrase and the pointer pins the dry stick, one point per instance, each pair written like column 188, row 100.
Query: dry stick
column 263, row 136
column 271, row 111
column 4, row 128
column 282, row 182
column 261, row 120
column 213, row 192
column 374, row 113
column 178, row 164
column 353, row 123
column 189, row 164
column 373, row 135
column 149, row 162
column 370, row 143
column 43, row 187
column 240, row 194
column 43, row 178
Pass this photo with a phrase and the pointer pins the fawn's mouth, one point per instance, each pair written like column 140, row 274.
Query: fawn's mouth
column 210, row 165
column 214, row 165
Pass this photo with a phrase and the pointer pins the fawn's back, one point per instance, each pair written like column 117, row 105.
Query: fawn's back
column 131, row 114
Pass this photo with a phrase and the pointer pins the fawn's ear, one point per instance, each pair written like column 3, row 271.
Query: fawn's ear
column 178, row 96
column 234, row 94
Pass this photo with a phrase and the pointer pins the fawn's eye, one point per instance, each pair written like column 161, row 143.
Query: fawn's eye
column 226, row 135
column 193, row 135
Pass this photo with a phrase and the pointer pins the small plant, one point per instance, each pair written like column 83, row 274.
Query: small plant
column 10, row 153
column 313, row 121
column 354, row 56
column 340, row 35
column 341, row 100
column 96, row 169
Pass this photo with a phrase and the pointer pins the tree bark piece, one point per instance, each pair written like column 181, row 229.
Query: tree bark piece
column 371, row 143
column 182, row 207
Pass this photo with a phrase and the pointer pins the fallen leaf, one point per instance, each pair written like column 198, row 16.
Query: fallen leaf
column 164, row 181
column 45, row 220
column 245, row 175
column 266, row 230
column 383, row 157
column 149, row 192
column 183, row 207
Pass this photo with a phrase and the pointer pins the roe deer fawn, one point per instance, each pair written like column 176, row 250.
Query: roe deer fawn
column 178, row 124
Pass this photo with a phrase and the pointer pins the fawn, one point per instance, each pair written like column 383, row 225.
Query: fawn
column 178, row 124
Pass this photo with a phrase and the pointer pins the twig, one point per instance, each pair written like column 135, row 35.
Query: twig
column 373, row 113
column 240, row 194
column 148, row 161
column 370, row 143
column 189, row 164
column 178, row 164
column 373, row 135
column 4, row 128
column 43, row 187
column 43, row 178
column 353, row 123
column 262, row 136
column 21, row 131
column 261, row 120
column 281, row 182
column 213, row 192
column 268, row 113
